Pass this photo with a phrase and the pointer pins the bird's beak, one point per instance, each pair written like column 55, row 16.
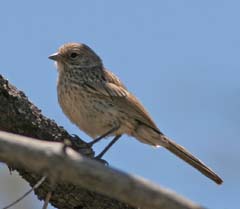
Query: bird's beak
column 54, row 56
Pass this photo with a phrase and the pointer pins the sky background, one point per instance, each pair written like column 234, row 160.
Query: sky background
column 179, row 57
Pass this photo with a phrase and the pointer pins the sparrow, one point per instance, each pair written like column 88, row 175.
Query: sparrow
column 95, row 99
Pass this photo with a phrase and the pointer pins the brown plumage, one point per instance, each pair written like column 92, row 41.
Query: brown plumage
column 96, row 101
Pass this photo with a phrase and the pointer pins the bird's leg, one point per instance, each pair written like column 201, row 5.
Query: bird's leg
column 99, row 156
column 103, row 136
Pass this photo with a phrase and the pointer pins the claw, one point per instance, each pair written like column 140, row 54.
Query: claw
column 104, row 162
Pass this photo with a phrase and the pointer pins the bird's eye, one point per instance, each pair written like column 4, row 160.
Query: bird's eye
column 73, row 55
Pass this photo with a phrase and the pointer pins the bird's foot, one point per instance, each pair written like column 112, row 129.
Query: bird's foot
column 97, row 158
column 81, row 146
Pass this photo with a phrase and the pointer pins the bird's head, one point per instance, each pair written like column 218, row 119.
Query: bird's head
column 76, row 55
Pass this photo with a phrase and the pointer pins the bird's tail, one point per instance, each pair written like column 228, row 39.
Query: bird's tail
column 151, row 135
column 190, row 159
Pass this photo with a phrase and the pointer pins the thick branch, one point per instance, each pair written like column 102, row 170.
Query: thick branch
column 20, row 116
column 49, row 158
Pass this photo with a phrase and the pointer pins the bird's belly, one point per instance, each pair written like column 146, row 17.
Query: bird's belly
column 91, row 114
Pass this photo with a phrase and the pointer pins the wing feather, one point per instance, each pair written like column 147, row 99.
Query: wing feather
column 113, row 87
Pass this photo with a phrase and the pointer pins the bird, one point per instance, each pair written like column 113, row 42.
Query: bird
column 97, row 101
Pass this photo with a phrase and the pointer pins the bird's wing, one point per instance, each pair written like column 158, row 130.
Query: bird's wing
column 141, row 115
column 110, row 85
column 111, row 78
column 113, row 87
column 106, row 89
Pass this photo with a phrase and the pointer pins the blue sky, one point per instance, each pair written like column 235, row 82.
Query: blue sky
column 179, row 57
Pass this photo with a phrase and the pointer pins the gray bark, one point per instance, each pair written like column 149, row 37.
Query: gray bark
column 66, row 165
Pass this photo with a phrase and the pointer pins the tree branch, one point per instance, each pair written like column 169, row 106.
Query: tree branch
column 71, row 167
column 20, row 116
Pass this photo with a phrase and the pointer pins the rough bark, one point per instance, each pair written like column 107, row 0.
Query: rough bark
column 20, row 116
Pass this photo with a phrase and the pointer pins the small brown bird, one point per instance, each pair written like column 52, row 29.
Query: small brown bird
column 99, row 104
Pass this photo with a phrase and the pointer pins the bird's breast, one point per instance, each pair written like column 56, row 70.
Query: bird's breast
column 89, row 112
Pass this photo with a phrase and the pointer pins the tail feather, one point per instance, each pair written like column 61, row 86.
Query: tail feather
column 154, row 137
column 189, row 158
